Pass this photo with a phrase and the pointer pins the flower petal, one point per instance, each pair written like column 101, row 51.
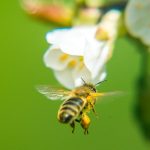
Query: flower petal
column 75, row 53
column 100, row 61
column 65, row 78
column 100, row 77
column 74, row 45
column 96, row 58
column 55, row 36
column 137, row 19
column 52, row 59
column 72, row 41
column 79, row 73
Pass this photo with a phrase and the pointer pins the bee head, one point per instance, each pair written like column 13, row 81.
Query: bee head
column 91, row 86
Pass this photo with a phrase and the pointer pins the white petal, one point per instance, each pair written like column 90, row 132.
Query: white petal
column 65, row 78
column 137, row 19
column 87, row 31
column 110, row 22
column 73, row 44
column 52, row 59
column 81, row 73
column 93, row 50
column 55, row 36
column 101, row 61
column 96, row 57
column 72, row 41
column 71, row 78
column 100, row 77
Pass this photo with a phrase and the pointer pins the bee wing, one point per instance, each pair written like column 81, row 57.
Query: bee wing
column 113, row 93
column 53, row 93
column 107, row 94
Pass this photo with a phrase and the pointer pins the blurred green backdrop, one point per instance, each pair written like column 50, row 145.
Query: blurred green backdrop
column 28, row 120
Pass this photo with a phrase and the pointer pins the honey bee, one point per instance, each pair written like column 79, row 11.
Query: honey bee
column 76, row 104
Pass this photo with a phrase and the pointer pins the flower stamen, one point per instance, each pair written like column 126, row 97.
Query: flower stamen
column 81, row 58
column 63, row 57
column 72, row 63
column 102, row 34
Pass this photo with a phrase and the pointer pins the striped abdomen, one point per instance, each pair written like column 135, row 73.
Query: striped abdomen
column 70, row 109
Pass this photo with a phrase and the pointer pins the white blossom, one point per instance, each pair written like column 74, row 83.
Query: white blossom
column 75, row 53
column 137, row 19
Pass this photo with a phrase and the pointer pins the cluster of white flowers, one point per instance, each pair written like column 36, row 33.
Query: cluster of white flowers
column 81, row 51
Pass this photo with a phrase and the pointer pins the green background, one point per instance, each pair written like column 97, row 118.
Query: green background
column 28, row 120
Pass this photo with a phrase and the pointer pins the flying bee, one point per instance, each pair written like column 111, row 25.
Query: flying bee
column 76, row 105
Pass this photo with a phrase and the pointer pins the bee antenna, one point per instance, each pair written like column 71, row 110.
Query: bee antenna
column 83, row 80
column 100, row 82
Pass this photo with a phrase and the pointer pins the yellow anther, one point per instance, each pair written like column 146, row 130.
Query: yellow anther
column 81, row 58
column 102, row 34
column 72, row 63
column 63, row 57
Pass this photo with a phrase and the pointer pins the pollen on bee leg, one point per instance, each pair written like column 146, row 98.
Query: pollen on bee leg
column 85, row 123
column 63, row 57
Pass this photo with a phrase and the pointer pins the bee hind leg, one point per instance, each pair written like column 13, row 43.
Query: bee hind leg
column 73, row 126
column 86, row 131
column 78, row 120
column 85, row 123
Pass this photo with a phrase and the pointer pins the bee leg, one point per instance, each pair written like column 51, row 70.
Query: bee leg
column 85, row 122
column 78, row 120
column 86, row 131
column 95, row 113
column 93, row 109
column 73, row 126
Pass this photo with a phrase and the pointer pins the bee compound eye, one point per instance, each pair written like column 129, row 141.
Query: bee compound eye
column 94, row 89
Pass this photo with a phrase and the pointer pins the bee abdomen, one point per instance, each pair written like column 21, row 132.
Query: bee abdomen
column 70, row 109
